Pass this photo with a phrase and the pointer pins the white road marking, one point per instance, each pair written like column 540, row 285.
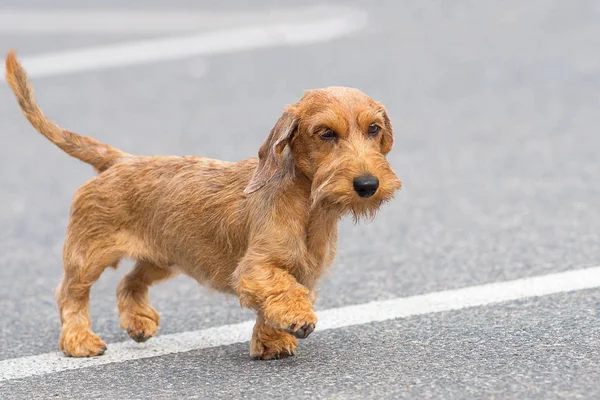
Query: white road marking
column 334, row 318
column 298, row 29
column 143, row 22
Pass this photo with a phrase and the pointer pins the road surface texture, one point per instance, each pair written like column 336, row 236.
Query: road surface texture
column 495, row 106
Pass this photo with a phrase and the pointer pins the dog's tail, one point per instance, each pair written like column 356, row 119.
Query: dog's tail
column 100, row 156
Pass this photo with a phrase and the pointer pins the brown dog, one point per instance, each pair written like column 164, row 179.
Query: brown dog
column 264, row 229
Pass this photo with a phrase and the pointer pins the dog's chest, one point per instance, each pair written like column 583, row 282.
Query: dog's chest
column 319, row 250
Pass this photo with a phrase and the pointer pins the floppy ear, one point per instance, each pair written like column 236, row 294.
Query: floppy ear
column 269, row 154
column 387, row 140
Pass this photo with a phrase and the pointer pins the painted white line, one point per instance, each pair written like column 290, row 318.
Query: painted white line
column 143, row 21
column 328, row 319
column 314, row 29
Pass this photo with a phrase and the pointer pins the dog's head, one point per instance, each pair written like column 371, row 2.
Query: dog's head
column 338, row 138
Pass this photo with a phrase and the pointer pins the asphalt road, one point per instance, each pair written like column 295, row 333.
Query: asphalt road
column 495, row 107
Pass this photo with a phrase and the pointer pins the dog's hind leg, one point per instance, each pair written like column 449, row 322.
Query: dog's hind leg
column 136, row 314
column 84, row 262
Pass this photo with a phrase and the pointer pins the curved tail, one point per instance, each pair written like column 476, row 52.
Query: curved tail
column 101, row 156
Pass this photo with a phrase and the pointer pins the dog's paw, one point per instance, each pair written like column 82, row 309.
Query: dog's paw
column 140, row 324
column 268, row 344
column 294, row 315
column 76, row 342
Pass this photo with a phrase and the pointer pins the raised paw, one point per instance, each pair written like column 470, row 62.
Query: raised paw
column 141, row 324
column 292, row 314
column 81, row 342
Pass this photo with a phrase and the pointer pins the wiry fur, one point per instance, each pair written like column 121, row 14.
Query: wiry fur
column 264, row 229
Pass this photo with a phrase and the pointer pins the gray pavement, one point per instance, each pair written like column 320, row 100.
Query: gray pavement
column 543, row 348
column 495, row 106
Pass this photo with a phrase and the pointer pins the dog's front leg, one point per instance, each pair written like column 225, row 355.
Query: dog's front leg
column 271, row 343
column 281, row 302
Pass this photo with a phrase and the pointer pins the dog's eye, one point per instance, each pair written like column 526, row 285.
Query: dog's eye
column 328, row 134
column 374, row 129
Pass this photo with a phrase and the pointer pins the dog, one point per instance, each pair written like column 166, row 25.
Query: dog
column 263, row 229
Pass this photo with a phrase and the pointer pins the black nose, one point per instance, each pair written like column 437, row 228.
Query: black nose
column 366, row 186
